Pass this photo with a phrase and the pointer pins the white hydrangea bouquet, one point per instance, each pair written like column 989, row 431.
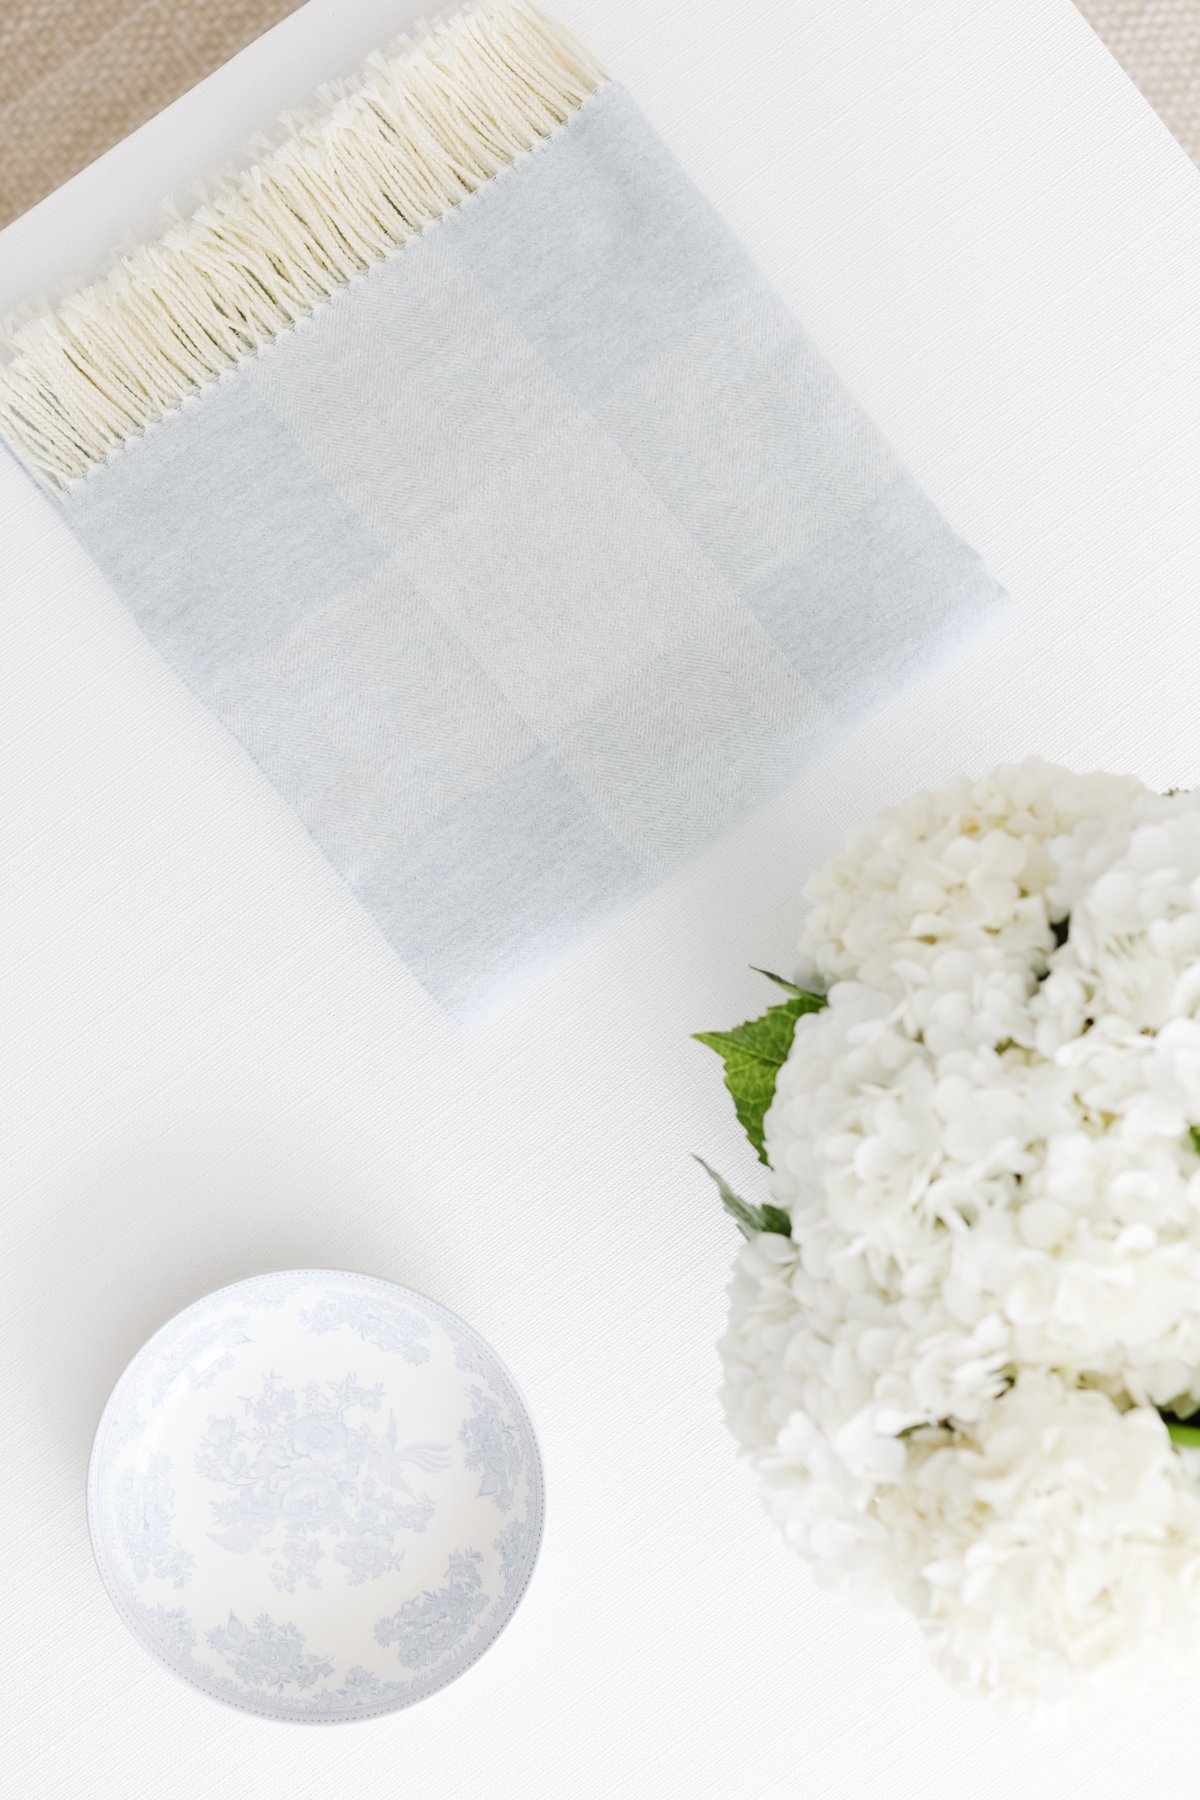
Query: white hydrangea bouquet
column 963, row 1348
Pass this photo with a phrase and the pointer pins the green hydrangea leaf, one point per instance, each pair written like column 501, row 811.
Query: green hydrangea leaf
column 753, row 1055
column 1195, row 1131
column 1183, row 1431
column 789, row 987
column 750, row 1218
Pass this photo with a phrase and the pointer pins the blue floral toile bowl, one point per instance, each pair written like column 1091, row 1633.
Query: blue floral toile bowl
column 315, row 1496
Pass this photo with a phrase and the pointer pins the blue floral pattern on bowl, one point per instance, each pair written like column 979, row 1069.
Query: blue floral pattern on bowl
column 297, row 1475
column 145, row 1510
column 315, row 1496
column 426, row 1628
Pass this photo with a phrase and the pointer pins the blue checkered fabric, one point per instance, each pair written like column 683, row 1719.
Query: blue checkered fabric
column 533, row 559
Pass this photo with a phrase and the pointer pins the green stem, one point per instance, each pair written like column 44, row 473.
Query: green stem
column 1183, row 1434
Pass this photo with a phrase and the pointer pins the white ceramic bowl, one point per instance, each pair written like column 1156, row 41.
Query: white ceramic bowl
column 315, row 1496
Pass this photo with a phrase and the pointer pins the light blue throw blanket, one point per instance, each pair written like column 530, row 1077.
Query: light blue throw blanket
column 530, row 554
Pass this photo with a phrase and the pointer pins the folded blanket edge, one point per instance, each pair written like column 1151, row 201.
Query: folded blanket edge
column 382, row 155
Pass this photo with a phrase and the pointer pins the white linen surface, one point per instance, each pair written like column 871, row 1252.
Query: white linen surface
column 212, row 1065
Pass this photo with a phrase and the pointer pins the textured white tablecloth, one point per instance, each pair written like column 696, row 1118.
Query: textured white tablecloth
column 212, row 1065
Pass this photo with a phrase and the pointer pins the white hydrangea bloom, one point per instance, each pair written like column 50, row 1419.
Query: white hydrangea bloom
column 948, row 1376
column 970, row 865
column 1058, row 1544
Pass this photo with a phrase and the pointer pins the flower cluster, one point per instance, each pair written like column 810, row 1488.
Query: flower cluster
column 951, row 1377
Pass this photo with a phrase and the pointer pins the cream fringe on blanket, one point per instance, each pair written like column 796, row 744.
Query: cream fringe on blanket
column 387, row 153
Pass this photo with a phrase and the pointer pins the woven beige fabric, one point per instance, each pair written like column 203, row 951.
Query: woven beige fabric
column 76, row 76
column 1157, row 43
